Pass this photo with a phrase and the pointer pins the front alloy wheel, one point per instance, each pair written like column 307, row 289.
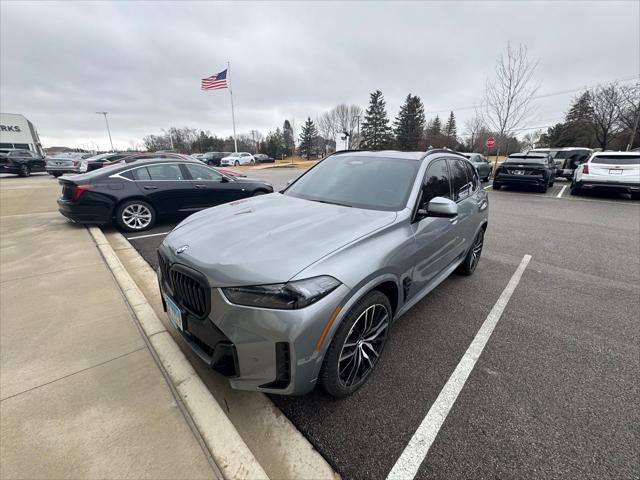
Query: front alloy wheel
column 135, row 216
column 25, row 171
column 468, row 266
column 357, row 345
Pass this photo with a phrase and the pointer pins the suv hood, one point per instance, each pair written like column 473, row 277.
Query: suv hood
column 267, row 239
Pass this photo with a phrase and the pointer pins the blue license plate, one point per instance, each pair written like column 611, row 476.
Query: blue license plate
column 174, row 312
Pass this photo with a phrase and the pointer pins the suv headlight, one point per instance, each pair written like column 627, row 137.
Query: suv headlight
column 284, row 296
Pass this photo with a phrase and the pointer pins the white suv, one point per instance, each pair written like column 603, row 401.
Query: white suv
column 238, row 158
column 614, row 171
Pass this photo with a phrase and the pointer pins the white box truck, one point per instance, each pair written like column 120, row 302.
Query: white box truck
column 18, row 132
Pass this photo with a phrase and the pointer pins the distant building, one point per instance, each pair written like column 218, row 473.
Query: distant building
column 18, row 132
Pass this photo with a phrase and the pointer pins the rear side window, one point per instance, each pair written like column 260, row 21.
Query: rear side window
column 617, row 159
column 459, row 182
column 472, row 175
column 140, row 174
column 436, row 182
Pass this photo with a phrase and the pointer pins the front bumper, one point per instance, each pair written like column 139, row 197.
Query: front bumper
column 272, row 351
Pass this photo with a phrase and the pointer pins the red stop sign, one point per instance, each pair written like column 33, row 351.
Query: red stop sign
column 490, row 142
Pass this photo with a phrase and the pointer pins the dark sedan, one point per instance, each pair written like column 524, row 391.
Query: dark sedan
column 135, row 196
column 20, row 162
column 531, row 169
column 481, row 163
column 99, row 161
column 262, row 158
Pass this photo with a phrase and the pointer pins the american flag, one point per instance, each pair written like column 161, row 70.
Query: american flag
column 215, row 82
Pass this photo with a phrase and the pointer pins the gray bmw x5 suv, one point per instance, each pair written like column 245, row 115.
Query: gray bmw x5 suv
column 287, row 290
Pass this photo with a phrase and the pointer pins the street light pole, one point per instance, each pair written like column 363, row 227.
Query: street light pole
column 108, row 129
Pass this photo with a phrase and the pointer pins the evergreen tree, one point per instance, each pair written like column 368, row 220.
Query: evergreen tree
column 577, row 131
column 409, row 124
column 450, row 131
column 307, row 136
column 376, row 133
column 289, row 143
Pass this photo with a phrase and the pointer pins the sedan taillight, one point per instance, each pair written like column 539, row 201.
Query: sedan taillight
column 585, row 169
column 79, row 190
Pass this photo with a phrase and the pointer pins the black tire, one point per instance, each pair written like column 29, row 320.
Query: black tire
column 575, row 190
column 330, row 379
column 468, row 266
column 635, row 196
column 485, row 179
column 128, row 225
column 259, row 192
column 25, row 171
column 544, row 188
column 496, row 186
column 56, row 175
column 236, row 163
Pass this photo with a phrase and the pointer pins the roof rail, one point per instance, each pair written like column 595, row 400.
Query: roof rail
column 442, row 150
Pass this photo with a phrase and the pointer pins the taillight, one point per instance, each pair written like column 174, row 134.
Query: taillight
column 585, row 169
column 74, row 163
column 79, row 190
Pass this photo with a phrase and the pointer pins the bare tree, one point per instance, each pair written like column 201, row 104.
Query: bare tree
column 605, row 101
column 530, row 140
column 472, row 128
column 629, row 110
column 508, row 97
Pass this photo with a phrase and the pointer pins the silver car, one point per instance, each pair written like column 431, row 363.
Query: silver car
column 287, row 290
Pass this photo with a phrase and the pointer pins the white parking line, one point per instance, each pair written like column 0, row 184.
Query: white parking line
column 559, row 195
column 488, row 186
column 415, row 452
column 148, row 236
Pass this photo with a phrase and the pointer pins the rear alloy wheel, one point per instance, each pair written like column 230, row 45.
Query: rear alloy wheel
column 135, row 216
column 356, row 346
column 468, row 266
column 25, row 171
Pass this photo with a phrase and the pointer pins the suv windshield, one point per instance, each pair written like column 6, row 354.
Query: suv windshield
column 617, row 159
column 373, row 183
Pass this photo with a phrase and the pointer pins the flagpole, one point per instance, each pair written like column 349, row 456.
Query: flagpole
column 233, row 115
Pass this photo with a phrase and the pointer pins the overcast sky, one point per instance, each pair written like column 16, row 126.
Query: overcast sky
column 142, row 62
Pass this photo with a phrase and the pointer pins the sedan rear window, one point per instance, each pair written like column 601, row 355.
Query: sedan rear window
column 616, row 159
column 374, row 183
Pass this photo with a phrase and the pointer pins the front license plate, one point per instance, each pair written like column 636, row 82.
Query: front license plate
column 615, row 172
column 174, row 313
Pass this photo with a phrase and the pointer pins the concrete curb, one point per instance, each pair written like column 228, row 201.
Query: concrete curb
column 227, row 448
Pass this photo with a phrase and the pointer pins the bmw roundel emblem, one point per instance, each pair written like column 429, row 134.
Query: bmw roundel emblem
column 182, row 249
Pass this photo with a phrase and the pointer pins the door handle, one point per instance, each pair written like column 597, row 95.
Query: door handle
column 150, row 187
column 201, row 186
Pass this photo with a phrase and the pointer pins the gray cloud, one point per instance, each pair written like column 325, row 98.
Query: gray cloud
column 142, row 62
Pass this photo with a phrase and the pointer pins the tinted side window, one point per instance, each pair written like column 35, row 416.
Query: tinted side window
column 199, row 172
column 472, row 174
column 140, row 174
column 436, row 182
column 165, row 172
column 459, row 181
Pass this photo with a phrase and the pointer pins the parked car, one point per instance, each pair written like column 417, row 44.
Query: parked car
column 72, row 162
column 146, row 155
column 262, row 158
column 548, row 151
column 98, row 161
column 567, row 160
column 134, row 196
column 292, row 289
column 20, row 162
column 526, row 169
column 609, row 171
column 238, row 158
column 481, row 163
column 213, row 158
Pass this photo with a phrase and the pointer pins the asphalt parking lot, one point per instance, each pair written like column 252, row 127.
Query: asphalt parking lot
column 555, row 391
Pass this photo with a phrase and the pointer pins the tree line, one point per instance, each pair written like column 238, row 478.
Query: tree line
column 605, row 117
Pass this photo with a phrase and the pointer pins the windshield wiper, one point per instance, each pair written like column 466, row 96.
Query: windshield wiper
column 334, row 203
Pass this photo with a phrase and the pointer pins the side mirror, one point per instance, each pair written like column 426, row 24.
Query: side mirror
column 442, row 207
